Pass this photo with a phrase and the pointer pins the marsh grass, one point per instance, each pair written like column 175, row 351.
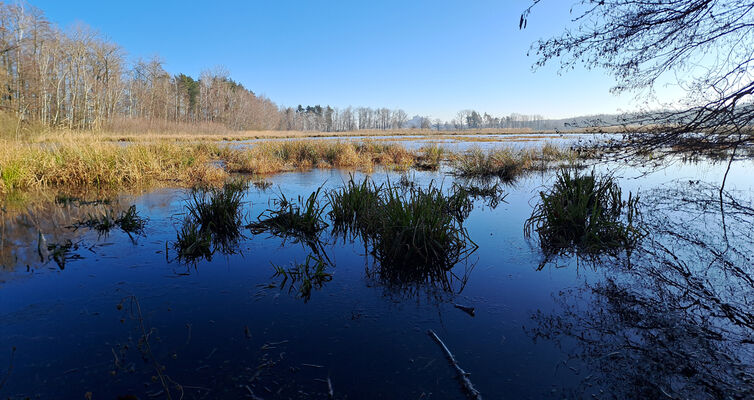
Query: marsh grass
column 508, row 164
column 128, row 221
column 62, row 252
column 354, row 207
column 213, row 221
column 585, row 215
column 276, row 156
column 301, row 219
column 302, row 278
column 88, row 162
column 27, row 167
column 431, row 155
column 415, row 234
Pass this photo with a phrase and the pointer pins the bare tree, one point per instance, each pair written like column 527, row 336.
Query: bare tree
column 705, row 44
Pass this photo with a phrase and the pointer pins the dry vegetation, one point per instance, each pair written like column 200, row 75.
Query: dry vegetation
column 83, row 161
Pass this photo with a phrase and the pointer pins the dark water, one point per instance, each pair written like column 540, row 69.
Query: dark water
column 221, row 330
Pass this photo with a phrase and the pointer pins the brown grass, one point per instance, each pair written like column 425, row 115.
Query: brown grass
column 85, row 162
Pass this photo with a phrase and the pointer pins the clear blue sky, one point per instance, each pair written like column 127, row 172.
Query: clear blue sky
column 427, row 57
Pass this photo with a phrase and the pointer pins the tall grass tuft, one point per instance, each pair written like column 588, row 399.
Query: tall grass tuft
column 584, row 215
column 416, row 234
column 354, row 207
column 212, row 221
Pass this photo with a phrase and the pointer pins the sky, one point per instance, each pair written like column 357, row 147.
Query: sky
column 430, row 58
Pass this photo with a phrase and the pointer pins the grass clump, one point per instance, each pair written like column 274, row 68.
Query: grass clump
column 507, row 163
column 584, row 215
column 416, row 234
column 420, row 228
column 353, row 207
column 431, row 157
column 212, row 221
column 304, row 277
column 502, row 163
column 300, row 219
column 194, row 243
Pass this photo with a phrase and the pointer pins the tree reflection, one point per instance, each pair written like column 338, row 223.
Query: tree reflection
column 679, row 322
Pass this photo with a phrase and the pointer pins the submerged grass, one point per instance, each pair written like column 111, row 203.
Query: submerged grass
column 300, row 219
column 302, row 278
column 128, row 221
column 585, row 215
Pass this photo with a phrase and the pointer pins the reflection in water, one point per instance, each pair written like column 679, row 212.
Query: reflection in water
column 679, row 322
column 50, row 229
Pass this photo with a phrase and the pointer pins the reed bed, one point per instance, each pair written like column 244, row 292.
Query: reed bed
column 277, row 156
column 507, row 163
column 26, row 167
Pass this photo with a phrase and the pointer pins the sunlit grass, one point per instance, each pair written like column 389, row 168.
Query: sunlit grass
column 212, row 221
column 584, row 214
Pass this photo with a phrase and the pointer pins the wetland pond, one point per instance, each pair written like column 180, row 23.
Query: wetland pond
column 88, row 314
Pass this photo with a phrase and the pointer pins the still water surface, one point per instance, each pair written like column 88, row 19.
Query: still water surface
column 225, row 329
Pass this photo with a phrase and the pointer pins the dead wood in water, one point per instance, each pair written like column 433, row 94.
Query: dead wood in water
column 468, row 310
column 463, row 376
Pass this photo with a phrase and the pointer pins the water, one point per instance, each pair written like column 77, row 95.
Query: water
column 460, row 143
column 221, row 330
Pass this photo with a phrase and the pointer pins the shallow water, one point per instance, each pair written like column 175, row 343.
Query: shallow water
column 221, row 330
column 462, row 143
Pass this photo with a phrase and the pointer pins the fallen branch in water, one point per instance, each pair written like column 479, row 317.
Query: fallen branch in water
column 463, row 376
column 467, row 310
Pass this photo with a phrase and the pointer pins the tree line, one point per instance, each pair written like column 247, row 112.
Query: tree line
column 78, row 79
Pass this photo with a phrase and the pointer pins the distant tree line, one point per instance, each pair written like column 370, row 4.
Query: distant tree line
column 329, row 119
column 78, row 79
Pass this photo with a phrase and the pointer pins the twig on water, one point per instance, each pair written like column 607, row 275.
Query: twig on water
column 467, row 310
column 463, row 376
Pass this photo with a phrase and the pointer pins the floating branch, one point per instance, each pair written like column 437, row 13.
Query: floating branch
column 463, row 376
